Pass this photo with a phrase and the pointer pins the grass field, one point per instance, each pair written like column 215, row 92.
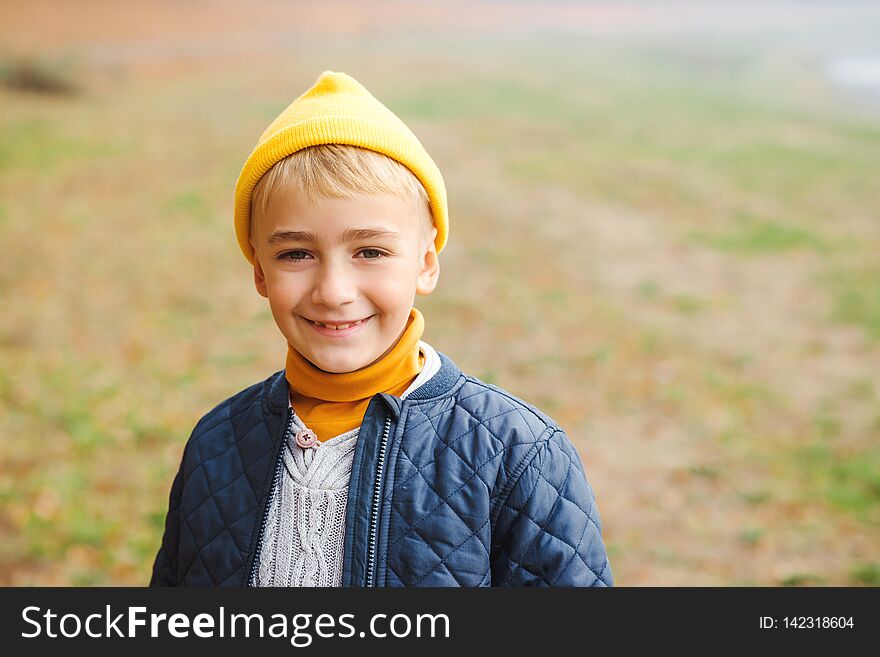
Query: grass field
column 667, row 242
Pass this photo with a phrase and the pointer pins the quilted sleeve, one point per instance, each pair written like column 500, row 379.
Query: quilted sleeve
column 165, row 565
column 548, row 530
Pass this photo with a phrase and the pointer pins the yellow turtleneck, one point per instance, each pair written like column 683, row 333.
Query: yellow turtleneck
column 333, row 403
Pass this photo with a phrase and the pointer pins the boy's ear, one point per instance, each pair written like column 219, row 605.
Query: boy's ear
column 260, row 277
column 429, row 271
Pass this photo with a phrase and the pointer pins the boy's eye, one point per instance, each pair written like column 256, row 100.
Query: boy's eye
column 292, row 255
column 378, row 253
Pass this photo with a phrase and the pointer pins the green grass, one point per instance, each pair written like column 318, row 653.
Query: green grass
column 751, row 536
column 867, row 574
column 803, row 579
column 758, row 497
column 41, row 144
column 688, row 304
column 710, row 472
column 856, row 297
column 189, row 204
column 826, row 424
column 468, row 98
column 848, row 479
column 758, row 236
column 649, row 290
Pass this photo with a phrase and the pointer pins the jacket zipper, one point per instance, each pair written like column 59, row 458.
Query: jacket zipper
column 279, row 463
column 374, row 513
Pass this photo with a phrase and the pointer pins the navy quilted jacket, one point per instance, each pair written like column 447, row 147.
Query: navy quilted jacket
column 459, row 484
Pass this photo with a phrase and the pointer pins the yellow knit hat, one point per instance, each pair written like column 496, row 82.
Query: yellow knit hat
column 338, row 110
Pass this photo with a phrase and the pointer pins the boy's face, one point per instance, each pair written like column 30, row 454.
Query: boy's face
column 336, row 275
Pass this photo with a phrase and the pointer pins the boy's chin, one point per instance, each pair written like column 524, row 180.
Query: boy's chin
column 340, row 365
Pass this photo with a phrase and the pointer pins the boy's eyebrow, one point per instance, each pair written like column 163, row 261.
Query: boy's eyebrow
column 348, row 235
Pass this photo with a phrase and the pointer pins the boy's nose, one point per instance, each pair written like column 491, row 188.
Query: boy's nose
column 334, row 287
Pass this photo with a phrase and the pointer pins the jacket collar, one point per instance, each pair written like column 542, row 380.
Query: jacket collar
column 438, row 385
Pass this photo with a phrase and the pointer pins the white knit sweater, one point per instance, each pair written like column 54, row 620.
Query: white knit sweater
column 303, row 543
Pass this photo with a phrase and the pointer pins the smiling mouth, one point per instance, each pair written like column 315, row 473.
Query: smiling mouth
column 337, row 327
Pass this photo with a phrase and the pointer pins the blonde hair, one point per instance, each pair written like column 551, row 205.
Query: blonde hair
column 344, row 171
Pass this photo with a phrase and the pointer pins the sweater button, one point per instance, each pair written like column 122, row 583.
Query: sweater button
column 306, row 438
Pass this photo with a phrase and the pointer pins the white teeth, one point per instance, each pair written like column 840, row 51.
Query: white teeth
column 340, row 327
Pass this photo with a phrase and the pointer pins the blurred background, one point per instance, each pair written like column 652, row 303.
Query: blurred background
column 665, row 228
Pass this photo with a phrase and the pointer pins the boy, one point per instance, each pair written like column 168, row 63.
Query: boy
column 371, row 459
